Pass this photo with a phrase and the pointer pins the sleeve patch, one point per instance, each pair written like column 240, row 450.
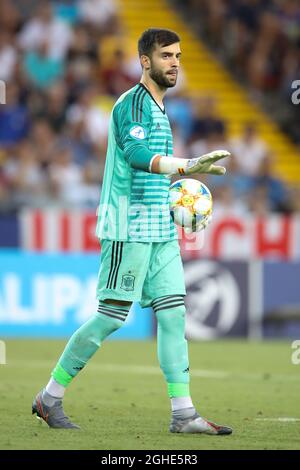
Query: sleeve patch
column 138, row 132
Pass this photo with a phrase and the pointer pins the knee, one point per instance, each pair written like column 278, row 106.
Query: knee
column 172, row 319
column 112, row 315
column 107, row 324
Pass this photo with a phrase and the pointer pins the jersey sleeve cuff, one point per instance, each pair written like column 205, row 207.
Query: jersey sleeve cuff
column 141, row 158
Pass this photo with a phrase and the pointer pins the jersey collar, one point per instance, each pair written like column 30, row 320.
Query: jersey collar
column 145, row 88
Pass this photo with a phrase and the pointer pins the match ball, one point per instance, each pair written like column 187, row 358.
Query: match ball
column 190, row 204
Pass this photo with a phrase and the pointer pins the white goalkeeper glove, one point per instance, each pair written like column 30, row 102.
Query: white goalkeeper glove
column 203, row 164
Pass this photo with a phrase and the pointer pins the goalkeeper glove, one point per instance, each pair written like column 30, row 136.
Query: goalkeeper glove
column 205, row 163
column 182, row 166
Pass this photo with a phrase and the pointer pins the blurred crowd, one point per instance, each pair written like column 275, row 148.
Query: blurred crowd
column 64, row 64
column 260, row 42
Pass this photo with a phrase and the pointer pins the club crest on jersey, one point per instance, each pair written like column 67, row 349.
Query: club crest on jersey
column 138, row 132
column 127, row 282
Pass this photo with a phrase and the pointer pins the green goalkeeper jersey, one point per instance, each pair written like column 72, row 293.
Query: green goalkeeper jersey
column 134, row 204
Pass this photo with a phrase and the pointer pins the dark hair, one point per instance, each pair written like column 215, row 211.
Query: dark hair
column 152, row 36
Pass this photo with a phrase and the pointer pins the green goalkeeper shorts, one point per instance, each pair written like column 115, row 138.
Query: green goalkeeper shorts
column 140, row 272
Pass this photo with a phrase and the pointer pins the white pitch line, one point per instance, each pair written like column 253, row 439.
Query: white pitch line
column 126, row 369
column 152, row 370
column 202, row 373
column 281, row 420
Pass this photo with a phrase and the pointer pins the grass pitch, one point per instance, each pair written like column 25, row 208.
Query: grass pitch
column 120, row 399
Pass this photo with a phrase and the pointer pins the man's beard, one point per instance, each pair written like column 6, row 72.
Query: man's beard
column 161, row 79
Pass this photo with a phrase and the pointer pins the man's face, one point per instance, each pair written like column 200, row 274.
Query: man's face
column 164, row 64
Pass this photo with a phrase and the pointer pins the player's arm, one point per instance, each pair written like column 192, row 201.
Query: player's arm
column 133, row 123
column 183, row 166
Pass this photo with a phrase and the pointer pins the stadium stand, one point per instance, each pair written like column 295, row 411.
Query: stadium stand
column 64, row 66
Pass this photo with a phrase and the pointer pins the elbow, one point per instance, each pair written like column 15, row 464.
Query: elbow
column 140, row 158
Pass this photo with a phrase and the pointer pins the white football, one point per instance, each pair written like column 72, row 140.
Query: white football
column 190, row 204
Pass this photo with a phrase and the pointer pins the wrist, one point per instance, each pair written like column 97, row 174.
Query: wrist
column 172, row 165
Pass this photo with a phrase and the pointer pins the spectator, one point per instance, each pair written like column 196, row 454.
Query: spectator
column 294, row 197
column 14, row 118
column 66, row 178
column 71, row 187
column 98, row 12
column 258, row 202
column 179, row 146
column 44, row 139
column 225, row 203
column 55, row 123
column 264, row 65
column 180, row 112
column 117, row 75
column 8, row 55
column 83, row 45
column 55, row 109
column 206, row 119
column 25, row 176
column 249, row 150
column 82, row 150
column 240, row 184
column 44, row 27
column 259, row 40
column 275, row 190
column 5, row 201
column 214, row 140
column 91, row 112
column 42, row 69
column 289, row 16
column 10, row 19
column 67, row 10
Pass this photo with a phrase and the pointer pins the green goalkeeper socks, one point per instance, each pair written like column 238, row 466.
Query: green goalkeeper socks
column 86, row 341
column 171, row 343
column 177, row 390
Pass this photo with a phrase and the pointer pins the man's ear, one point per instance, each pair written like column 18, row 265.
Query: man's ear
column 145, row 61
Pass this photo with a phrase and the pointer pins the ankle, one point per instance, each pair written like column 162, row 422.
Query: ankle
column 48, row 399
column 185, row 413
column 178, row 403
column 55, row 389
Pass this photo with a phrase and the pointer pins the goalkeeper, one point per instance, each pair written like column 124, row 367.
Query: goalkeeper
column 140, row 257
